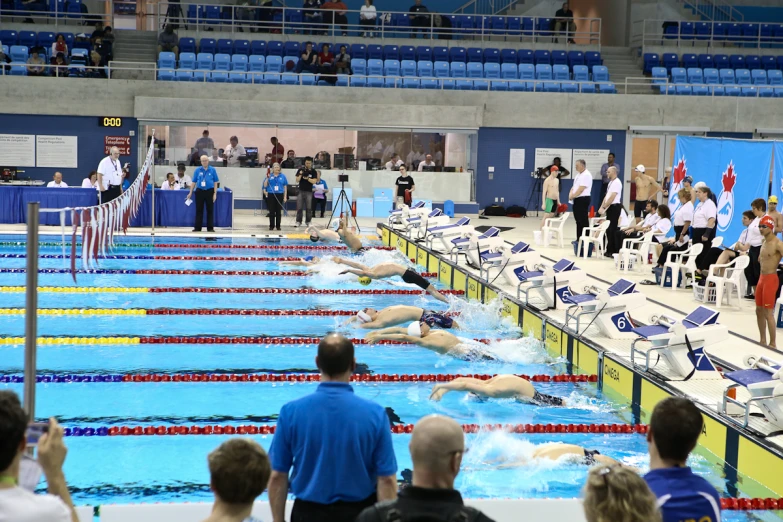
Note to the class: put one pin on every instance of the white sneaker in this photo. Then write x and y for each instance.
(297, 225)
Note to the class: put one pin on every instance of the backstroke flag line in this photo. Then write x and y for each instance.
(100, 222)
(737, 171)
(777, 178)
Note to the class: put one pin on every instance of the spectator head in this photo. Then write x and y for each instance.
(234, 141)
(214, 153)
(99, 25)
(13, 425)
(60, 58)
(95, 57)
(34, 53)
(675, 426)
(652, 206)
(180, 169)
(612, 172)
(395, 157)
(325, 48)
(664, 212)
(667, 171)
(308, 162)
(115, 153)
(107, 30)
(170, 177)
(565, 6)
(343, 49)
(437, 446)
(759, 207)
(684, 195)
(703, 192)
(205, 134)
(58, 177)
(580, 165)
(276, 168)
(428, 158)
(291, 154)
(767, 226)
(615, 493)
(687, 181)
(335, 357)
(747, 217)
(239, 470)
(773, 203)
(93, 176)
(556, 161)
(205, 161)
(368, 3)
(60, 38)
(418, 2)
(169, 29)
(610, 158)
(308, 46)
(273, 140)
(403, 170)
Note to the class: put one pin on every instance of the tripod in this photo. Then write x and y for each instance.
(535, 194)
(343, 198)
(174, 11)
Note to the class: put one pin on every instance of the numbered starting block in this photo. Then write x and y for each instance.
(445, 233)
(461, 245)
(480, 246)
(417, 209)
(680, 345)
(546, 283)
(504, 257)
(763, 378)
(417, 226)
(608, 309)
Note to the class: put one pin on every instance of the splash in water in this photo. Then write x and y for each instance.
(525, 350)
(475, 316)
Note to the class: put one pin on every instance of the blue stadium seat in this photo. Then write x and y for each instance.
(778, 92)
(700, 90)
(305, 78)
(528, 25)
(166, 75)
(576, 58)
(410, 83)
(492, 70)
(275, 48)
(659, 75)
(527, 71)
(237, 77)
(475, 70)
(218, 76)
(205, 61)
(750, 34)
(375, 67)
(447, 84)
(749, 92)
(207, 45)
(69, 39)
(766, 92)
(679, 75)
(768, 62)
(256, 78)
(458, 70)
(732, 90)
(19, 53)
(241, 47)
(509, 56)
(498, 25)
(767, 32)
(429, 83)
(200, 76)
(391, 67)
(734, 32)
(274, 64)
(775, 77)
(561, 73)
(651, 60)
(551, 87)
(559, 58)
(359, 66)
(607, 88)
(184, 76)
(18, 69)
(695, 75)
(289, 79)
(718, 91)
(391, 52)
(508, 71)
(491, 55)
(408, 67)
(371, 82)
(690, 60)
(517, 86)
(458, 54)
(47, 38)
(543, 72)
(514, 26)
(258, 48)
(570, 87)
(719, 31)
(752, 62)
(223, 62)
(480, 85)
(211, 13)
(581, 73)
(28, 38)
(475, 55)
(525, 56)
(440, 54)
(683, 90)
(670, 60)
(292, 49)
(464, 85)
(593, 58)
(358, 82)
(424, 69)
(286, 59)
(225, 46)
(424, 52)
(727, 76)
(167, 60)
(722, 61)
(706, 61)
(195, 14)
(239, 63)
(703, 30)
(257, 63)
(442, 70)
(544, 27)
(711, 76)
(542, 57)
(374, 52)
(737, 61)
(600, 74)
(687, 30)
(759, 77)
(407, 52)
(187, 61)
(587, 88)
(9, 37)
(667, 89)
(742, 77)
(358, 51)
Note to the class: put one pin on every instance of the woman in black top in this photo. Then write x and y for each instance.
(308, 60)
(405, 187)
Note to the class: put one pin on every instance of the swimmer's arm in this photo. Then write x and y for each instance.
(360, 273)
(352, 264)
(455, 324)
(379, 336)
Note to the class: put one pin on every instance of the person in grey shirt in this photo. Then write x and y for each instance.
(604, 176)
(168, 41)
(204, 145)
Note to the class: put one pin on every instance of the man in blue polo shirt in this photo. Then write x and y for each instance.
(675, 427)
(338, 444)
(276, 188)
(205, 182)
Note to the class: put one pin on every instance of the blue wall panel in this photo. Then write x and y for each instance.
(516, 185)
(91, 139)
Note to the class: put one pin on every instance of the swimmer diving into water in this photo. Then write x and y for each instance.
(305, 261)
(343, 233)
(498, 387)
(555, 451)
(440, 341)
(386, 270)
(371, 318)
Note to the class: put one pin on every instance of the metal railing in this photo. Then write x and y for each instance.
(714, 10)
(666, 87)
(485, 7)
(684, 33)
(81, 71)
(389, 24)
(56, 13)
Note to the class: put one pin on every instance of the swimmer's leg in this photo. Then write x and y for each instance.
(437, 295)
(468, 384)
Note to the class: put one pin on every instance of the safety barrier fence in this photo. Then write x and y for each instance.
(690, 34)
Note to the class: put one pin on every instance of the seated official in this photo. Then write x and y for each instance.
(171, 182)
(637, 231)
(395, 162)
(290, 161)
(91, 181)
(682, 222)
(182, 178)
(57, 181)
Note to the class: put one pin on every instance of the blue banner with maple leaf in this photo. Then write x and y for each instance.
(737, 171)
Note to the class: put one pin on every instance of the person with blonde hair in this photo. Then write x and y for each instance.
(618, 494)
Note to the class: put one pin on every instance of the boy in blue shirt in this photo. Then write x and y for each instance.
(205, 183)
(675, 427)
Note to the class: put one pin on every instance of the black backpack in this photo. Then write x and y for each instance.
(387, 512)
(516, 211)
(494, 210)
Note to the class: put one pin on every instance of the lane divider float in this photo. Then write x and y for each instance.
(178, 311)
(160, 258)
(202, 246)
(276, 377)
(195, 339)
(212, 290)
(115, 271)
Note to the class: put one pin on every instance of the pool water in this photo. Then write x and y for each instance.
(165, 468)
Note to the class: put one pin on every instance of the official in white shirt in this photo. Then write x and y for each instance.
(182, 178)
(705, 216)
(682, 219)
(612, 206)
(91, 181)
(171, 183)
(110, 176)
(234, 151)
(426, 163)
(637, 231)
(394, 163)
(57, 181)
(580, 196)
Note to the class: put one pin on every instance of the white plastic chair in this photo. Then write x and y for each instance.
(555, 226)
(594, 235)
(636, 251)
(730, 281)
(684, 264)
(717, 242)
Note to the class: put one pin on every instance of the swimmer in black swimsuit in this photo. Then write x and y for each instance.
(498, 387)
(387, 270)
(433, 318)
(370, 318)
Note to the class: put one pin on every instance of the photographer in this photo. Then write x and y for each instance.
(18, 503)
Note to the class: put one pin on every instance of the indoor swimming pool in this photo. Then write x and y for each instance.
(150, 364)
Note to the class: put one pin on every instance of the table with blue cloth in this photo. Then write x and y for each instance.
(171, 211)
(14, 200)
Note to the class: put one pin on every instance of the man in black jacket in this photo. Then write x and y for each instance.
(437, 446)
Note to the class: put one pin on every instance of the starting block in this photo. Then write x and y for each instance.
(417, 209)
(763, 378)
(415, 224)
(681, 345)
(461, 245)
(483, 246)
(608, 309)
(444, 233)
(504, 257)
(548, 283)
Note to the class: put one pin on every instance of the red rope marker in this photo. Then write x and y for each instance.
(257, 340)
(294, 291)
(259, 247)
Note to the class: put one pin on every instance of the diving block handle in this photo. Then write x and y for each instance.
(771, 366)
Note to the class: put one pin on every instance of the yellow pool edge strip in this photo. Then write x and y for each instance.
(74, 340)
(77, 311)
(77, 289)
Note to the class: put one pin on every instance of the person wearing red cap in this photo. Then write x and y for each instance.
(767, 287)
(550, 194)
